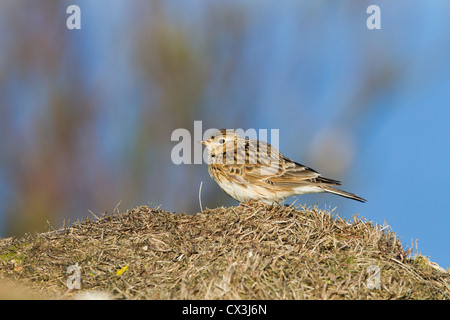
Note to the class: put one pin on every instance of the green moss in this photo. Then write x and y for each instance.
(12, 254)
(349, 259)
(423, 264)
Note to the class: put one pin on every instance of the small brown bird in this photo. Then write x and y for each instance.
(248, 169)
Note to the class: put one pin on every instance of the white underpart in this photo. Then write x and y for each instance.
(242, 194)
(307, 189)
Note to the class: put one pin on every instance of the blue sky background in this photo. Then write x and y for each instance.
(368, 107)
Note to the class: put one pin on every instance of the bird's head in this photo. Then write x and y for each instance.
(221, 140)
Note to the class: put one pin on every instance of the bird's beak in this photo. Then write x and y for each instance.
(205, 142)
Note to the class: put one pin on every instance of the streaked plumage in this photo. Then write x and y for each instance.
(249, 169)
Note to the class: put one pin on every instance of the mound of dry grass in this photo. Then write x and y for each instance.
(247, 252)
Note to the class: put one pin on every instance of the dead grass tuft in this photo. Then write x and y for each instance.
(251, 251)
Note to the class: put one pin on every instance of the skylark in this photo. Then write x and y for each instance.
(248, 169)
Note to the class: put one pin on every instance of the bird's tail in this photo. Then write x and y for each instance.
(343, 193)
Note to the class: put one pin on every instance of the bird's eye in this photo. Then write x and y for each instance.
(221, 140)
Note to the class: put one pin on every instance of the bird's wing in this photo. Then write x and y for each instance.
(284, 172)
(254, 161)
(257, 161)
(295, 174)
